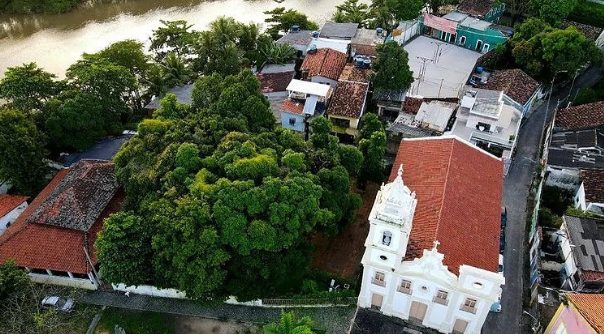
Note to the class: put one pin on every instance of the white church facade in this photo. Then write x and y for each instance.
(431, 255)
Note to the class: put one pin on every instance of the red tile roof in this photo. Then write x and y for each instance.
(274, 82)
(459, 193)
(9, 202)
(326, 62)
(581, 116)
(591, 307)
(354, 73)
(593, 182)
(44, 246)
(411, 105)
(348, 99)
(293, 106)
(515, 83)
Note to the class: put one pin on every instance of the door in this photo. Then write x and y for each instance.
(417, 312)
(376, 301)
(460, 326)
(479, 46)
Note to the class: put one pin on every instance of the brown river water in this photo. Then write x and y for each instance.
(56, 41)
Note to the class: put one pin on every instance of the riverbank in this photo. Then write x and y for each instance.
(56, 41)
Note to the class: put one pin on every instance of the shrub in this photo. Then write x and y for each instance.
(549, 219)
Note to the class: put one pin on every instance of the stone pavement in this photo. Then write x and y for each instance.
(334, 320)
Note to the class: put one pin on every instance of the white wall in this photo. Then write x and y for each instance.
(149, 290)
(324, 80)
(10, 217)
(580, 198)
(409, 29)
(79, 283)
(570, 265)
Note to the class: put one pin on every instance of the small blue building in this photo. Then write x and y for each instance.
(305, 100)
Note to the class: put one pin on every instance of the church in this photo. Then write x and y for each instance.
(432, 253)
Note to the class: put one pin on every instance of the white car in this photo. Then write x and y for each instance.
(58, 303)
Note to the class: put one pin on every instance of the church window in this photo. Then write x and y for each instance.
(379, 279)
(405, 287)
(383, 258)
(441, 297)
(386, 238)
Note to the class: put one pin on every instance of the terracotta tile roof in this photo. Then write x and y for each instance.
(591, 307)
(593, 181)
(459, 193)
(274, 82)
(515, 83)
(581, 116)
(45, 246)
(353, 73)
(348, 99)
(326, 62)
(476, 7)
(412, 104)
(9, 202)
(293, 106)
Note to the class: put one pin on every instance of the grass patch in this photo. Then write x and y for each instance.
(134, 322)
(588, 12)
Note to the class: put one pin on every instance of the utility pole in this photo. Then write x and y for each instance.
(551, 89)
(437, 52)
(441, 86)
(422, 70)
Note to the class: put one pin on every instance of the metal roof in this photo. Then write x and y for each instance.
(339, 30)
(308, 87)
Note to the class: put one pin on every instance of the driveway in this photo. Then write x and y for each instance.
(516, 191)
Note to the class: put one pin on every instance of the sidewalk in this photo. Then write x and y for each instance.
(335, 320)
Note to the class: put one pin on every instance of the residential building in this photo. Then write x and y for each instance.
(352, 72)
(519, 89)
(579, 313)
(488, 10)
(297, 39)
(324, 66)
(403, 124)
(406, 30)
(389, 101)
(432, 115)
(583, 116)
(590, 196)
(53, 239)
(366, 41)
(417, 265)
(581, 243)
(334, 30)
(486, 121)
(11, 207)
(184, 94)
(346, 109)
(305, 100)
(273, 86)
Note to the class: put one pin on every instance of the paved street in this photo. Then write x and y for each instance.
(516, 191)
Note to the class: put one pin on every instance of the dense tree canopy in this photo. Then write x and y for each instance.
(289, 324)
(28, 87)
(392, 67)
(373, 147)
(387, 13)
(352, 11)
(12, 280)
(552, 11)
(280, 20)
(22, 151)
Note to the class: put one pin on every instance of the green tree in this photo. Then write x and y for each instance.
(13, 280)
(172, 36)
(373, 149)
(352, 11)
(28, 87)
(22, 151)
(288, 324)
(280, 20)
(391, 68)
(175, 71)
(387, 13)
(370, 123)
(275, 53)
(124, 249)
(552, 11)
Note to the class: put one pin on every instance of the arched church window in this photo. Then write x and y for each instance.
(387, 238)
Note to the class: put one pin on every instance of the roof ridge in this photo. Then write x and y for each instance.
(442, 200)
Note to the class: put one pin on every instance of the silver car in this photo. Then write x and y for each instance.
(58, 303)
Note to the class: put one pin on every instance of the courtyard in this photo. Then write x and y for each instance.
(446, 70)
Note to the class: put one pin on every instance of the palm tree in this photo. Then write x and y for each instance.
(288, 324)
(175, 71)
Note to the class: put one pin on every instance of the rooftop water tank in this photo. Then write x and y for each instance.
(295, 28)
(315, 34)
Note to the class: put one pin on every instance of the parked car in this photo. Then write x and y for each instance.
(58, 303)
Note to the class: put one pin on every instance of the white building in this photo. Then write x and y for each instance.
(432, 253)
(10, 208)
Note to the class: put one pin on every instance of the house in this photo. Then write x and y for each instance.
(389, 101)
(334, 30)
(590, 196)
(346, 109)
(578, 313)
(351, 72)
(486, 121)
(576, 149)
(366, 41)
(273, 86)
(403, 125)
(488, 10)
(297, 39)
(184, 95)
(305, 100)
(324, 66)
(581, 246)
(53, 239)
(418, 265)
(432, 115)
(519, 89)
(11, 207)
(583, 116)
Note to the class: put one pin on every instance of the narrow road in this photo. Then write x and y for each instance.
(516, 190)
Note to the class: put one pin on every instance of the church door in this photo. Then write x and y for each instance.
(417, 312)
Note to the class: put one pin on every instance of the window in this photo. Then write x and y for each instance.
(383, 257)
(292, 121)
(485, 48)
(38, 271)
(441, 297)
(469, 305)
(462, 40)
(379, 279)
(341, 123)
(386, 238)
(405, 287)
(479, 46)
(484, 127)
